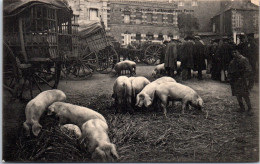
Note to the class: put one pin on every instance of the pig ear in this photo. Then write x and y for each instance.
(200, 102)
(147, 101)
(137, 100)
(50, 110)
(36, 129)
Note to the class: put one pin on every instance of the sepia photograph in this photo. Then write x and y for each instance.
(130, 81)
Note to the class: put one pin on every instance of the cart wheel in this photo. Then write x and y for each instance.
(107, 59)
(11, 72)
(41, 76)
(152, 54)
(81, 67)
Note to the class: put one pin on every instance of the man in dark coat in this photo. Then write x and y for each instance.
(187, 58)
(253, 57)
(170, 60)
(199, 57)
(239, 71)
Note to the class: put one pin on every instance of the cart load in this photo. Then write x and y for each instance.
(95, 49)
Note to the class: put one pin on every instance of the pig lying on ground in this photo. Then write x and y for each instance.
(72, 129)
(94, 132)
(159, 70)
(125, 65)
(35, 108)
(122, 92)
(146, 96)
(178, 92)
(73, 114)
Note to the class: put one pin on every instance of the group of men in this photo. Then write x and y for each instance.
(226, 61)
(190, 53)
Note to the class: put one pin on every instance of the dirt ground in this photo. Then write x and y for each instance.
(224, 136)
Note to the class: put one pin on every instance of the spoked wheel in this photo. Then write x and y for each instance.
(11, 72)
(81, 67)
(152, 54)
(107, 58)
(39, 77)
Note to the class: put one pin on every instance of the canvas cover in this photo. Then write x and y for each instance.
(16, 7)
(90, 29)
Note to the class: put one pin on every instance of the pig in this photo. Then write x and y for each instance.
(95, 133)
(164, 79)
(146, 96)
(138, 83)
(159, 70)
(178, 92)
(122, 93)
(72, 129)
(125, 65)
(37, 106)
(73, 114)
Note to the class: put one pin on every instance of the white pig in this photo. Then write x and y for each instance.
(178, 92)
(95, 133)
(73, 114)
(35, 108)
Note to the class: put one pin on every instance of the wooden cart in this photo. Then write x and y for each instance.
(37, 34)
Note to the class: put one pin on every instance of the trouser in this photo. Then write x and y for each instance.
(240, 102)
(169, 71)
(186, 73)
(199, 72)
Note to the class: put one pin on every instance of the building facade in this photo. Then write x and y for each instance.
(90, 11)
(141, 21)
(236, 17)
(135, 20)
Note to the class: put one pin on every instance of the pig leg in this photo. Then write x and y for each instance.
(129, 106)
(131, 71)
(27, 129)
(164, 100)
(184, 105)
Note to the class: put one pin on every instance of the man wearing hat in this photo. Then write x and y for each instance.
(170, 60)
(239, 71)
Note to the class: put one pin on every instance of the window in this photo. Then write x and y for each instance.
(127, 38)
(170, 18)
(194, 3)
(238, 20)
(170, 35)
(138, 36)
(255, 20)
(93, 14)
(149, 17)
(149, 36)
(138, 18)
(159, 18)
(180, 3)
(126, 18)
(160, 36)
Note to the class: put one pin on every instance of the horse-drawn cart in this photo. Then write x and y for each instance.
(146, 52)
(41, 40)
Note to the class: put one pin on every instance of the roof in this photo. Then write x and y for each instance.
(18, 6)
(238, 5)
(89, 29)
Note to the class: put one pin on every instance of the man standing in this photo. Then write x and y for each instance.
(199, 57)
(187, 57)
(239, 71)
(170, 60)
